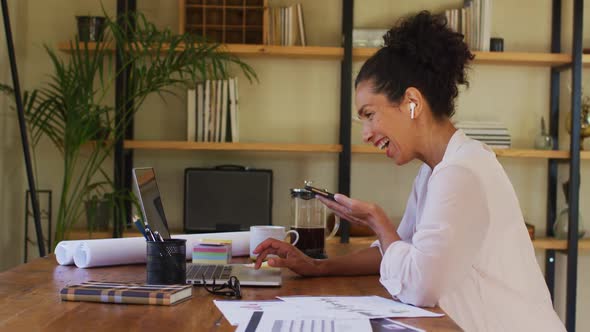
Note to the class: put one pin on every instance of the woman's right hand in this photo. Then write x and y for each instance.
(288, 256)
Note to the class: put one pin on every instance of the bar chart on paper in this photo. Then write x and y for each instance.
(264, 322)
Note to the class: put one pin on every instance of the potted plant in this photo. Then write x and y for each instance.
(74, 112)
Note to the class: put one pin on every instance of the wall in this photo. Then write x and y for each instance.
(297, 101)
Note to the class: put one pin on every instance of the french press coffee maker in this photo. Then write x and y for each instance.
(309, 220)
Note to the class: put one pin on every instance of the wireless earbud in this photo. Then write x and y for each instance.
(412, 107)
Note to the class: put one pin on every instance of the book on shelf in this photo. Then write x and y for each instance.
(494, 134)
(233, 109)
(130, 293)
(473, 21)
(212, 111)
(200, 111)
(206, 110)
(191, 117)
(286, 26)
(224, 111)
(218, 111)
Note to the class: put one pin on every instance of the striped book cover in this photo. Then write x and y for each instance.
(116, 292)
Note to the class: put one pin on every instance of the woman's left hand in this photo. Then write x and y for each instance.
(363, 213)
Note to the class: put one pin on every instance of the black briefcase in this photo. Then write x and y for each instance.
(226, 198)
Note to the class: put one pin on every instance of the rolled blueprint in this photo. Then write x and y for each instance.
(132, 250)
(64, 252)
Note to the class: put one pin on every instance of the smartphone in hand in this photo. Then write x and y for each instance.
(322, 192)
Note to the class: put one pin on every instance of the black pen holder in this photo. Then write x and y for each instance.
(166, 262)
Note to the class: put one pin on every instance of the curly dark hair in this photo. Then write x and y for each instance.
(421, 52)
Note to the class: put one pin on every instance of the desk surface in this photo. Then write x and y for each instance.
(29, 299)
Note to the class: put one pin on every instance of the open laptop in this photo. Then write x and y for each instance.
(146, 189)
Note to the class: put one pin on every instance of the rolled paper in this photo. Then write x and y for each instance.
(64, 252)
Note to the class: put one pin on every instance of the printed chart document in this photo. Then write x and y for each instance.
(261, 321)
(306, 308)
(237, 312)
(357, 306)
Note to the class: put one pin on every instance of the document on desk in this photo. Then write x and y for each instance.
(237, 312)
(357, 306)
(263, 321)
(321, 308)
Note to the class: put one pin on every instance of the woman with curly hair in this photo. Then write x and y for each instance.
(462, 243)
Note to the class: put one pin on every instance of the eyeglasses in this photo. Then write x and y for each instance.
(231, 288)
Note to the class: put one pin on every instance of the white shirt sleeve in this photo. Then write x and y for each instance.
(447, 240)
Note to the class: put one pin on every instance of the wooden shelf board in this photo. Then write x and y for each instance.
(80, 234)
(68, 47)
(507, 153)
(329, 52)
(225, 27)
(498, 58)
(320, 52)
(526, 153)
(274, 147)
(556, 244)
(586, 60)
(224, 6)
(251, 50)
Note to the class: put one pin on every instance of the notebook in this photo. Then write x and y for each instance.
(148, 195)
(130, 293)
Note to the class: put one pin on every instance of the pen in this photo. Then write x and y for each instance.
(139, 226)
(149, 235)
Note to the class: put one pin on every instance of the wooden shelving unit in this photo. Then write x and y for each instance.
(329, 52)
(204, 146)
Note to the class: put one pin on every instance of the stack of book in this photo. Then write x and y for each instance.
(212, 111)
(494, 134)
(285, 26)
(473, 21)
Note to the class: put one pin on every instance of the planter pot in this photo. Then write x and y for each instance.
(90, 28)
(98, 215)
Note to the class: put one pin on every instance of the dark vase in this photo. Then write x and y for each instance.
(98, 214)
(90, 28)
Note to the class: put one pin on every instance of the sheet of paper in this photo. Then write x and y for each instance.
(357, 306)
(266, 321)
(237, 312)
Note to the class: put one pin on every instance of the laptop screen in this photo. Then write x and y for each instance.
(152, 209)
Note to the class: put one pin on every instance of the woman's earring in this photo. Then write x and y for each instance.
(412, 107)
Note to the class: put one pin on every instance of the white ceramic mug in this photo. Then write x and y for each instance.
(261, 233)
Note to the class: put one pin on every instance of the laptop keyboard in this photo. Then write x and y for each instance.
(217, 272)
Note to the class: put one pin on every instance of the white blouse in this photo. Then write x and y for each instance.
(466, 248)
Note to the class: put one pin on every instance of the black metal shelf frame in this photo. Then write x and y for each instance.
(574, 162)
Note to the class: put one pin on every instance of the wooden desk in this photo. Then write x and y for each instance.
(29, 299)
